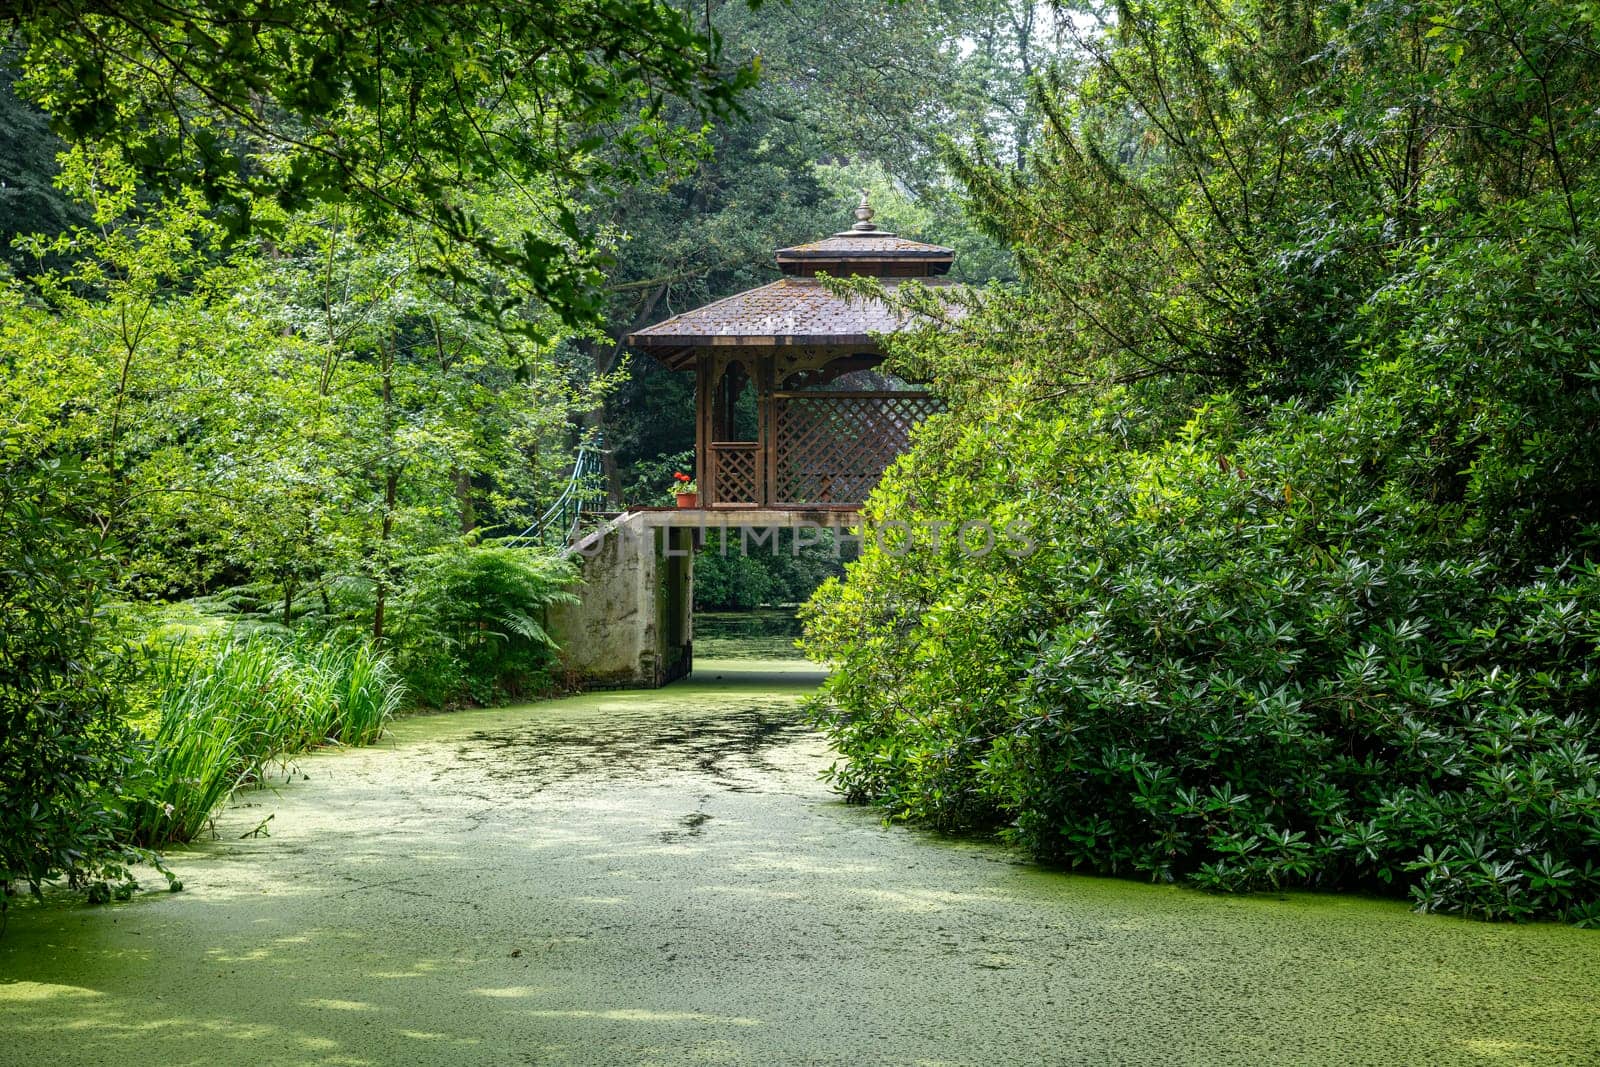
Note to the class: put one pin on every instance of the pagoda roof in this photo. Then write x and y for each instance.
(798, 310)
(871, 252)
(787, 312)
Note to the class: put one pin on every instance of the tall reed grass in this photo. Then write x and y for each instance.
(228, 711)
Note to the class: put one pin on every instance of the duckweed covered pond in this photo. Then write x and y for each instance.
(660, 878)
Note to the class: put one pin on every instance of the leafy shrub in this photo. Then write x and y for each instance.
(651, 477)
(471, 623)
(66, 756)
(732, 582)
(230, 710)
(1223, 669)
(1305, 428)
(1356, 646)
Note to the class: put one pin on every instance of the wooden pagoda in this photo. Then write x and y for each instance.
(825, 423)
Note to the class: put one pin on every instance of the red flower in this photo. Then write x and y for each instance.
(682, 477)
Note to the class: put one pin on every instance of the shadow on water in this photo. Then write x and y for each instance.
(721, 725)
(728, 747)
(693, 825)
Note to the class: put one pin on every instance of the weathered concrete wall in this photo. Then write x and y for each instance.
(633, 627)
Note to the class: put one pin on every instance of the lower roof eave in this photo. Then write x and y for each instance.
(678, 353)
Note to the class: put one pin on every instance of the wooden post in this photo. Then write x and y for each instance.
(768, 432)
(703, 384)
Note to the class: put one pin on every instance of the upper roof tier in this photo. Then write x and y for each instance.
(866, 250)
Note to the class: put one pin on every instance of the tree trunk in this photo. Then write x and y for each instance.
(604, 357)
(391, 482)
(469, 513)
(391, 486)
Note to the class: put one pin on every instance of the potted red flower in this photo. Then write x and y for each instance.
(685, 491)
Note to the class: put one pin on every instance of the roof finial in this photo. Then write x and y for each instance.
(864, 221)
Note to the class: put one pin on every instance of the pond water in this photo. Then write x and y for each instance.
(749, 637)
(660, 878)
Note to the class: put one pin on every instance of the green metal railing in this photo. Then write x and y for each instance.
(557, 528)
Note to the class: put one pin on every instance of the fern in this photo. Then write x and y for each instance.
(471, 622)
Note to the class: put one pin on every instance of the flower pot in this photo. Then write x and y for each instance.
(688, 500)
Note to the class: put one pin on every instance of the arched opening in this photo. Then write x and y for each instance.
(734, 469)
(734, 417)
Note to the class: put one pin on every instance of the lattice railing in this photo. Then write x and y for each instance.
(832, 448)
(735, 472)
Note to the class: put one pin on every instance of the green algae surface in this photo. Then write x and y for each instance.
(660, 878)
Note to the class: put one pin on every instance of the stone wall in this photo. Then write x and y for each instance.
(633, 627)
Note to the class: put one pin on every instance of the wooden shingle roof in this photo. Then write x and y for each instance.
(873, 252)
(876, 243)
(790, 311)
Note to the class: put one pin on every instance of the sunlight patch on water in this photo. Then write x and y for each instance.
(33, 992)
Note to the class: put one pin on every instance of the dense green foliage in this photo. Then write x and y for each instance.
(65, 753)
(396, 109)
(352, 412)
(289, 322)
(738, 578)
(1299, 400)
(29, 201)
